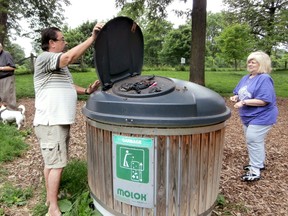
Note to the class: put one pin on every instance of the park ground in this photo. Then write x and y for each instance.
(267, 197)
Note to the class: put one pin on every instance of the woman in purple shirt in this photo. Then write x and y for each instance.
(255, 98)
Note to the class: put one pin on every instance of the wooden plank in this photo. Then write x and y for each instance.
(211, 171)
(194, 170)
(91, 178)
(219, 150)
(172, 168)
(161, 176)
(203, 172)
(217, 164)
(93, 165)
(117, 205)
(185, 146)
(137, 211)
(100, 164)
(108, 176)
(126, 209)
(147, 212)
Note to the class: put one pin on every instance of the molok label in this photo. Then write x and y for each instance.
(133, 165)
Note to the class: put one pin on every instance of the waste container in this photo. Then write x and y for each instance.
(154, 144)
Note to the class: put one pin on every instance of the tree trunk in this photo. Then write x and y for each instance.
(197, 63)
(3, 21)
(235, 64)
(32, 58)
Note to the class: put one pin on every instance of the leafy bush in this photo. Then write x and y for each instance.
(74, 192)
(12, 142)
(74, 178)
(10, 195)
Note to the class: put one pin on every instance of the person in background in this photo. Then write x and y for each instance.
(255, 98)
(55, 104)
(7, 78)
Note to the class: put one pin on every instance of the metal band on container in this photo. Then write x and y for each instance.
(155, 131)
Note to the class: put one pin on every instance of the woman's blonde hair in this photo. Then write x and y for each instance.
(263, 60)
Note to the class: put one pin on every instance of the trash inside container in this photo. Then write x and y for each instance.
(155, 144)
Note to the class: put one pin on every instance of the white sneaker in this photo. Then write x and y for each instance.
(251, 176)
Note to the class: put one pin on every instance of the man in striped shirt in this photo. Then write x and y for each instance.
(55, 103)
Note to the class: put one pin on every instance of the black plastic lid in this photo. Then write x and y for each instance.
(186, 105)
(119, 51)
(174, 103)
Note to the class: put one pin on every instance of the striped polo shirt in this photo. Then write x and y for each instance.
(55, 94)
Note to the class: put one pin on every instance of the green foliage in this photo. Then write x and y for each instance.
(81, 206)
(280, 81)
(155, 33)
(215, 25)
(3, 174)
(12, 143)
(234, 43)
(65, 205)
(24, 86)
(280, 59)
(227, 208)
(171, 74)
(267, 19)
(10, 195)
(37, 13)
(79, 35)
(158, 68)
(153, 9)
(16, 51)
(40, 208)
(74, 179)
(220, 200)
(74, 199)
(177, 44)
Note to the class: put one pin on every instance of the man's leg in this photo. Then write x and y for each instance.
(46, 174)
(54, 147)
(53, 183)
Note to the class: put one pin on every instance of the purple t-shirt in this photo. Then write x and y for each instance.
(259, 87)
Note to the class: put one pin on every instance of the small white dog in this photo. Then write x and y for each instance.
(13, 115)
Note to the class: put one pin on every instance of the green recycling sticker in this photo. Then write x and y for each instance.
(132, 163)
(133, 170)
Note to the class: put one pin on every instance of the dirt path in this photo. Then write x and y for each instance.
(266, 197)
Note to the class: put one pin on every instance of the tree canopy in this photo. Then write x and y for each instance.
(235, 42)
(37, 13)
(267, 19)
(177, 44)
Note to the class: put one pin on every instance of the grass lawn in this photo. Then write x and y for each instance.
(222, 82)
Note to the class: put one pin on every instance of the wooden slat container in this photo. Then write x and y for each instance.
(186, 169)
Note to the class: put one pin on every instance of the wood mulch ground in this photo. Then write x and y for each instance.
(267, 197)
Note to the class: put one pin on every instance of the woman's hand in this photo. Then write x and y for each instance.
(239, 104)
(234, 98)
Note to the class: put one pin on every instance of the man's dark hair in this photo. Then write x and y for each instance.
(48, 34)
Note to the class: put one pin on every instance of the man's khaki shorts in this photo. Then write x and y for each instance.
(54, 142)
